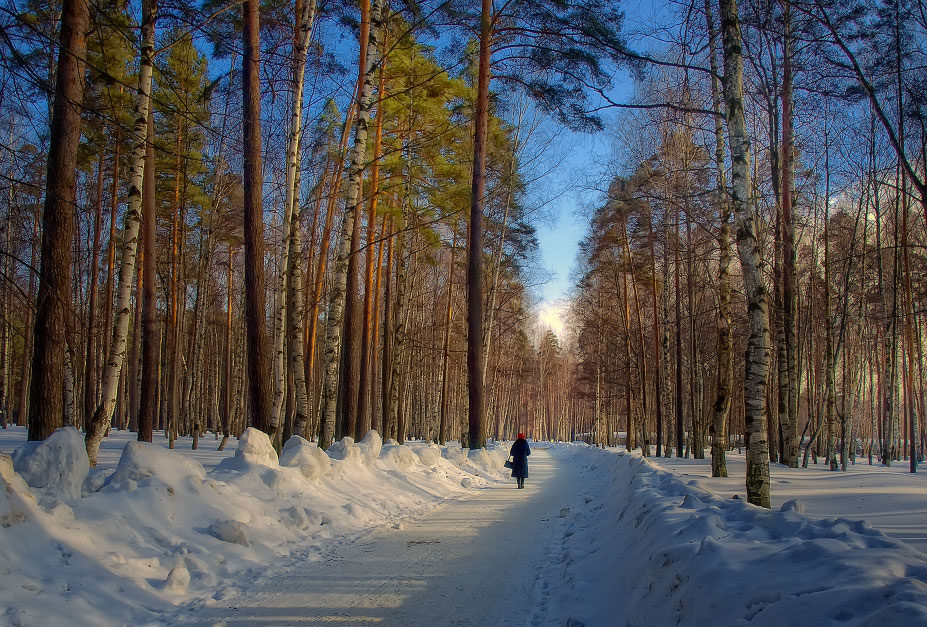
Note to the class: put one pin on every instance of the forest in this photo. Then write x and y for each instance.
(318, 218)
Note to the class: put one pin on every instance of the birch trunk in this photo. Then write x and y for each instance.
(757, 355)
(335, 318)
(722, 404)
(287, 297)
(364, 393)
(103, 415)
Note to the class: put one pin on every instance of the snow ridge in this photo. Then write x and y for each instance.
(667, 552)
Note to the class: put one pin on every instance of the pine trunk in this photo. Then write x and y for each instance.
(255, 296)
(49, 337)
(475, 435)
(148, 395)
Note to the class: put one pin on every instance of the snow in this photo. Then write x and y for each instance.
(58, 464)
(890, 499)
(675, 552)
(418, 534)
(164, 531)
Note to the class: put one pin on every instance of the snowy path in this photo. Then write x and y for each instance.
(471, 561)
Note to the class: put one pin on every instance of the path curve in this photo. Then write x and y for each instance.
(477, 560)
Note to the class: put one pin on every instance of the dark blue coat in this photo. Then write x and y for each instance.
(519, 453)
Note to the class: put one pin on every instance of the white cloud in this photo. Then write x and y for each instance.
(551, 315)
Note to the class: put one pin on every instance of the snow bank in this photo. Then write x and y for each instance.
(16, 502)
(679, 554)
(428, 454)
(487, 463)
(141, 460)
(58, 465)
(345, 450)
(157, 530)
(300, 453)
(254, 448)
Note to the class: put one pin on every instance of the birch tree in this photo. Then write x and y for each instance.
(757, 356)
(290, 262)
(335, 317)
(103, 415)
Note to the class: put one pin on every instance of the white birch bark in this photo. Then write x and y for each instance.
(757, 355)
(284, 296)
(335, 318)
(103, 415)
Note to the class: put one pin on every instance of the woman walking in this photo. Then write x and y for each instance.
(519, 453)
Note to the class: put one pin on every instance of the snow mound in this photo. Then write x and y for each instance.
(399, 454)
(489, 460)
(428, 454)
(178, 579)
(370, 446)
(255, 448)
(141, 460)
(302, 518)
(57, 464)
(311, 461)
(345, 450)
(795, 505)
(457, 456)
(231, 531)
(16, 501)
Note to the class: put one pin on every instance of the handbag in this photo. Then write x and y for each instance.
(509, 463)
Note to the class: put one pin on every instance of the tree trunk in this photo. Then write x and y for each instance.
(790, 425)
(255, 295)
(680, 411)
(305, 12)
(442, 425)
(335, 318)
(476, 436)
(658, 366)
(103, 415)
(722, 404)
(757, 356)
(386, 368)
(49, 338)
(148, 401)
(90, 356)
(364, 391)
(346, 410)
(227, 409)
(399, 329)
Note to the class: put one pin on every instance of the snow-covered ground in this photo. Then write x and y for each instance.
(151, 530)
(419, 535)
(666, 551)
(892, 500)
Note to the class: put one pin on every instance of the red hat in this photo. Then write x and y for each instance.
(521, 436)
